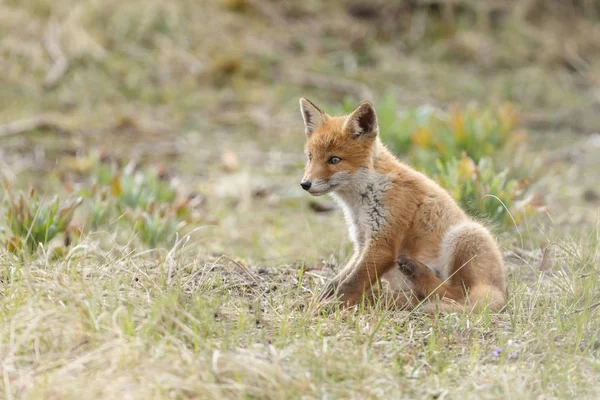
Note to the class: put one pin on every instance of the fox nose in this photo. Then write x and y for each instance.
(305, 184)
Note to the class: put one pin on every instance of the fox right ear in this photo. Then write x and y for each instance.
(362, 122)
(312, 115)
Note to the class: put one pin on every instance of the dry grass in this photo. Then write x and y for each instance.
(110, 324)
(182, 83)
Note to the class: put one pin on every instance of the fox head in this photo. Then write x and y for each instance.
(337, 147)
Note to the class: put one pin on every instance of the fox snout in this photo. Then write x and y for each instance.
(319, 187)
(318, 179)
(306, 184)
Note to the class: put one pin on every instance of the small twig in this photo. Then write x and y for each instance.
(546, 261)
(25, 125)
(242, 267)
(591, 307)
(170, 259)
(268, 11)
(576, 151)
(525, 255)
(61, 63)
(542, 120)
(339, 85)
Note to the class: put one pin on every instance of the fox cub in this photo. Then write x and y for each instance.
(405, 228)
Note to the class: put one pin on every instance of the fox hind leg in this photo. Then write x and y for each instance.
(425, 282)
(450, 295)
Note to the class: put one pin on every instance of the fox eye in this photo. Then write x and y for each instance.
(334, 160)
(309, 157)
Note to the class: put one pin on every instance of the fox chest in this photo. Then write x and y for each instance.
(365, 211)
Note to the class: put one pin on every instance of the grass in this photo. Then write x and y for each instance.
(99, 327)
(202, 98)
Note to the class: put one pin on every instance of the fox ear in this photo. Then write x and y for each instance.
(312, 115)
(362, 122)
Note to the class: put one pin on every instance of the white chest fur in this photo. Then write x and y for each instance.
(362, 201)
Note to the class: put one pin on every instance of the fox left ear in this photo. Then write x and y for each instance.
(312, 115)
(362, 122)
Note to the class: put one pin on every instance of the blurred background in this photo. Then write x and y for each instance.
(105, 99)
(154, 238)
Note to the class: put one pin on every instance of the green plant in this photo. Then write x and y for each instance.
(146, 198)
(101, 206)
(155, 225)
(426, 133)
(446, 135)
(135, 188)
(484, 192)
(32, 221)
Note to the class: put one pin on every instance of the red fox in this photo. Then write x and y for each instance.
(405, 228)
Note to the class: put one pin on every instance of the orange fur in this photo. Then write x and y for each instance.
(405, 228)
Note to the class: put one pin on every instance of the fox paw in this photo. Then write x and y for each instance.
(340, 294)
(328, 292)
(407, 265)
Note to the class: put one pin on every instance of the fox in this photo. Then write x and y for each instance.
(412, 243)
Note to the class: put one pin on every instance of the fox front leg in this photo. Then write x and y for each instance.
(331, 288)
(373, 263)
